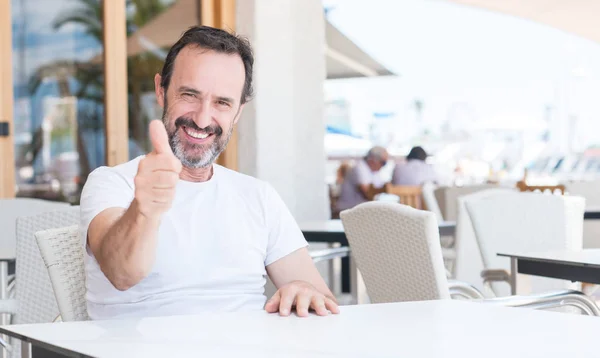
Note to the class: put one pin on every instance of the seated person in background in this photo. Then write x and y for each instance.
(415, 171)
(171, 233)
(355, 187)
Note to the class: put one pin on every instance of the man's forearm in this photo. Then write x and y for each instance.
(128, 248)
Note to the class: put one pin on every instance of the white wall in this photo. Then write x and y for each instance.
(281, 132)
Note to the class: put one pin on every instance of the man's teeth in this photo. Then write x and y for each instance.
(195, 134)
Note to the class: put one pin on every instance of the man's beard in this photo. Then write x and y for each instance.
(195, 155)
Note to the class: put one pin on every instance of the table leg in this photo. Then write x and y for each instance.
(353, 281)
(331, 272)
(3, 296)
(26, 350)
(513, 275)
(345, 272)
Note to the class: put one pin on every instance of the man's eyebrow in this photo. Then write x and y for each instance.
(196, 92)
(189, 89)
(226, 99)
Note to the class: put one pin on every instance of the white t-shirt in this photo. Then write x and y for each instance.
(414, 172)
(213, 245)
(350, 194)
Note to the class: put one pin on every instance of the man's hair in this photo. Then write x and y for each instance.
(211, 39)
(417, 153)
(377, 153)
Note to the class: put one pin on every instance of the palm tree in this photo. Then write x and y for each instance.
(89, 75)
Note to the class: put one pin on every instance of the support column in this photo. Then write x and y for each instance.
(281, 132)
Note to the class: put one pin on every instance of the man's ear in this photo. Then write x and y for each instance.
(158, 90)
(239, 114)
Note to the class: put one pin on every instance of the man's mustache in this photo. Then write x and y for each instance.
(212, 129)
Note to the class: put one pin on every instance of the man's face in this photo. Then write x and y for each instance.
(376, 164)
(202, 104)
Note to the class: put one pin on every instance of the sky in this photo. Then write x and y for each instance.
(468, 65)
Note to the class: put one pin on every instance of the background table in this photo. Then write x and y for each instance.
(576, 266)
(592, 214)
(442, 328)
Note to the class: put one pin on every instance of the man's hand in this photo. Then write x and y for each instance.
(303, 296)
(157, 175)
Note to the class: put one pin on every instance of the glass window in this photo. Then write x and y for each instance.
(58, 95)
(153, 26)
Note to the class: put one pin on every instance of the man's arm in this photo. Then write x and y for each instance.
(124, 244)
(124, 241)
(364, 180)
(364, 190)
(300, 284)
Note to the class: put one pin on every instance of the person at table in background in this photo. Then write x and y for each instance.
(415, 171)
(355, 188)
(173, 233)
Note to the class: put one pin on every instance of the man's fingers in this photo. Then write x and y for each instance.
(303, 301)
(164, 179)
(331, 305)
(155, 162)
(272, 305)
(318, 304)
(287, 301)
(159, 137)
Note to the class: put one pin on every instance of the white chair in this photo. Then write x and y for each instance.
(525, 222)
(34, 300)
(469, 262)
(430, 200)
(448, 242)
(11, 209)
(448, 197)
(62, 252)
(590, 190)
(397, 250)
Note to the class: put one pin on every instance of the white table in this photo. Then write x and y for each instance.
(417, 329)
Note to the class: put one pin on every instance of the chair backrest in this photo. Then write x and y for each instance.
(63, 255)
(11, 209)
(397, 250)
(410, 195)
(552, 189)
(448, 197)
(469, 261)
(590, 190)
(33, 289)
(430, 201)
(526, 222)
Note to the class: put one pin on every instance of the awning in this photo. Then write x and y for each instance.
(344, 58)
(579, 17)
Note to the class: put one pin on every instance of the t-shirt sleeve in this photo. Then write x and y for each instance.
(285, 235)
(363, 175)
(104, 188)
(396, 175)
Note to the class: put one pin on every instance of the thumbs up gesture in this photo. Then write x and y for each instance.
(157, 175)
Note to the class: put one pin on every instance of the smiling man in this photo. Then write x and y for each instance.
(173, 233)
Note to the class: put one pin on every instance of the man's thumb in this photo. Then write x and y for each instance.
(159, 137)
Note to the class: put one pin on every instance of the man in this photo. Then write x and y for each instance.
(172, 233)
(355, 187)
(415, 171)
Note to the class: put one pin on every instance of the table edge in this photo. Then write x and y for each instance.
(549, 261)
(43, 344)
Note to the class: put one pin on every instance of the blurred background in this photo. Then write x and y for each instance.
(492, 90)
